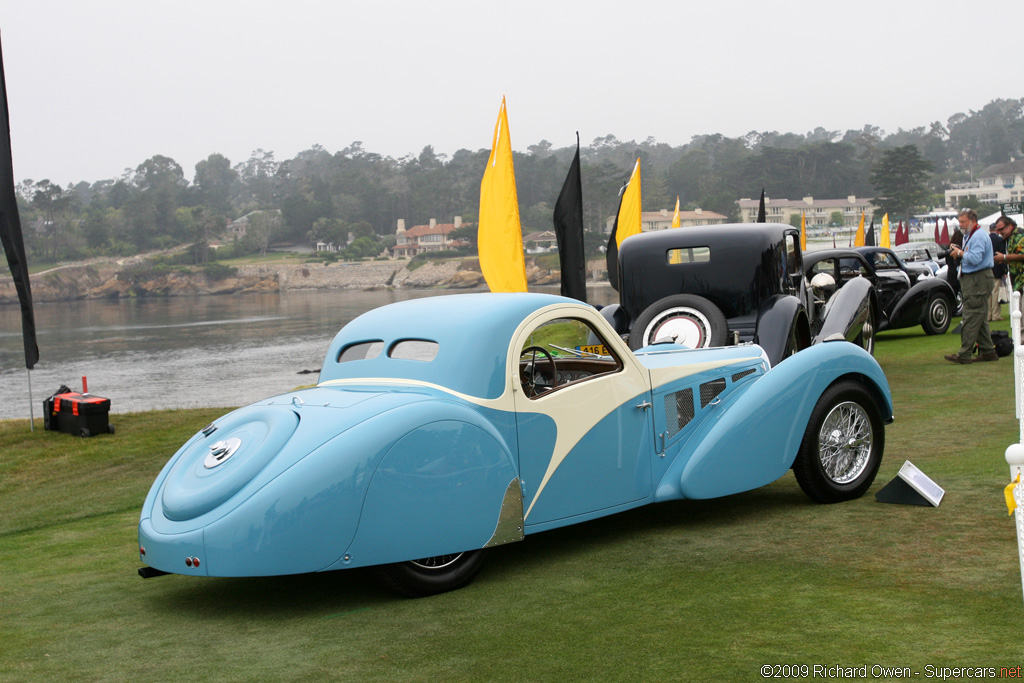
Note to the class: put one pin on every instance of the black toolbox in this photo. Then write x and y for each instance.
(79, 414)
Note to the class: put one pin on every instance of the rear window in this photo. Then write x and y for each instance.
(422, 350)
(361, 351)
(689, 255)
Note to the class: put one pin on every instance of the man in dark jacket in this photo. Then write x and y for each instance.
(995, 309)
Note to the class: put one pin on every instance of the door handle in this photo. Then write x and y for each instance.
(645, 405)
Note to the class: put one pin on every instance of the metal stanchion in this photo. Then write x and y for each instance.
(1018, 370)
(1015, 453)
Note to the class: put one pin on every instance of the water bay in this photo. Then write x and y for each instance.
(185, 352)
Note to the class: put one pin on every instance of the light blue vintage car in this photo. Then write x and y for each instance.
(443, 426)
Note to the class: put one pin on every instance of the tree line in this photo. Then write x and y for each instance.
(323, 195)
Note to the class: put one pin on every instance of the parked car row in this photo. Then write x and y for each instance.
(904, 296)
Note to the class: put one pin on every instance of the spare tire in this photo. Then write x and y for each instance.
(688, 319)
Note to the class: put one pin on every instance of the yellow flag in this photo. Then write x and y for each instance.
(884, 242)
(675, 216)
(630, 209)
(1011, 502)
(858, 241)
(499, 236)
(803, 232)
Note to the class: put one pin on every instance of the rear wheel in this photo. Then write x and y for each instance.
(938, 315)
(842, 447)
(687, 319)
(431, 575)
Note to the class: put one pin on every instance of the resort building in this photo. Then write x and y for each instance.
(662, 220)
(419, 238)
(997, 184)
(817, 212)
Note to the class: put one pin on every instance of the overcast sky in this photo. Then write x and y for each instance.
(97, 87)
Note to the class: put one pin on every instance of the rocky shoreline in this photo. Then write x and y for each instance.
(109, 279)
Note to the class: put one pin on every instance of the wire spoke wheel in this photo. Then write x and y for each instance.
(844, 442)
(437, 563)
(842, 446)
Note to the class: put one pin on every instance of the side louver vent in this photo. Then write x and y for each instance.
(709, 390)
(678, 410)
(740, 375)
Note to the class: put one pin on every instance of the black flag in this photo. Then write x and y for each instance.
(869, 237)
(761, 217)
(611, 256)
(568, 219)
(10, 230)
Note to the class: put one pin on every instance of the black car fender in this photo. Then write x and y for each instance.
(617, 317)
(847, 310)
(912, 307)
(782, 327)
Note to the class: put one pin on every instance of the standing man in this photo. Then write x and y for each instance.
(1014, 256)
(976, 284)
(995, 310)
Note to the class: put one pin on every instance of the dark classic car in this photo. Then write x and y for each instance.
(928, 254)
(725, 284)
(905, 298)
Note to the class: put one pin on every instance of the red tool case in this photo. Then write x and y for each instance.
(78, 414)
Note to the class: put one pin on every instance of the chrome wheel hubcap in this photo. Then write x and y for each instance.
(686, 326)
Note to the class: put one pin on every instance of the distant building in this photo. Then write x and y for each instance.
(997, 184)
(817, 212)
(543, 241)
(421, 238)
(662, 220)
(238, 227)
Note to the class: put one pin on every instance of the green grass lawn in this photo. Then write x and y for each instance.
(689, 590)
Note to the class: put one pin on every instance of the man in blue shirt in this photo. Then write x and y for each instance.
(976, 284)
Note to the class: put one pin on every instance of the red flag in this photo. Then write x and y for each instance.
(944, 238)
(936, 230)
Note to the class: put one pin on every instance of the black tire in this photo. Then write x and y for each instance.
(431, 575)
(937, 315)
(84, 433)
(699, 322)
(110, 428)
(844, 467)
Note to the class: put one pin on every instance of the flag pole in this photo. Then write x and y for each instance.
(31, 414)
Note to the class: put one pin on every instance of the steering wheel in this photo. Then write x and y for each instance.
(535, 383)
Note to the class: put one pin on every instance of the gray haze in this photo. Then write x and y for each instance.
(96, 87)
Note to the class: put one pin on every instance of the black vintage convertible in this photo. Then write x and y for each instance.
(728, 284)
(905, 297)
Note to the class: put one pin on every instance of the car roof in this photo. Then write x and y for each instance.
(745, 265)
(472, 331)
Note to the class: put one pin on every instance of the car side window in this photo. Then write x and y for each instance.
(561, 352)
(885, 261)
(793, 268)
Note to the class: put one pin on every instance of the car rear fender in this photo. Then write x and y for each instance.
(617, 317)
(447, 485)
(782, 326)
(913, 307)
(847, 310)
(755, 437)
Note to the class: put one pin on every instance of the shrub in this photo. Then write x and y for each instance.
(218, 271)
